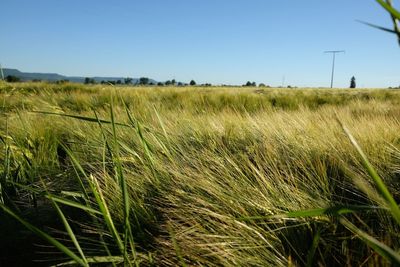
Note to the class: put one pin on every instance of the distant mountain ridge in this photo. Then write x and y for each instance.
(53, 77)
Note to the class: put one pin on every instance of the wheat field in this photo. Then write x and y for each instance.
(196, 176)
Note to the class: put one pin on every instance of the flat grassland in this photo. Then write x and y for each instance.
(196, 176)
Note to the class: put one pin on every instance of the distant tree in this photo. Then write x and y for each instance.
(36, 80)
(353, 82)
(103, 82)
(253, 84)
(173, 82)
(168, 82)
(248, 83)
(128, 80)
(12, 79)
(119, 82)
(62, 81)
(192, 83)
(144, 81)
(160, 84)
(180, 84)
(89, 81)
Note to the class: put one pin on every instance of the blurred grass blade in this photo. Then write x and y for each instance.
(82, 118)
(103, 133)
(378, 27)
(77, 167)
(379, 247)
(381, 187)
(123, 185)
(395, 14)
(45, 236)
(387, 5)
(73, 204)
(162, 126)
(98, 259)
(105, 212)
(69, 231)
(313, 249)
(332, 211)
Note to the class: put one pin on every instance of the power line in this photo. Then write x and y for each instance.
(333, 62)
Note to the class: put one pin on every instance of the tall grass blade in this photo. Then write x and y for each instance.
(96, 191)
(395, 14)
(388, 6)
(377, 27)
(73, 204)
(69, 231)
(330, 211)
(46, 237)
(79, 169)
(124, 188)
(313, 249)
(82, 118)
(380, 185)
(99, 259)
(379, 247)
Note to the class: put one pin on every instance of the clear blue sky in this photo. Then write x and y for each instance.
(217, 41)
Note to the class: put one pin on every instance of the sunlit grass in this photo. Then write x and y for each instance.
(202, 176)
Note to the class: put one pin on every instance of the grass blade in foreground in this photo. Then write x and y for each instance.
(98, 259)
(382, 189)
(124, 188)
(82, 118)
(45, 236)
(332, 211)
(379, 247)
(70, 231)
(313, 249)
(395, 14)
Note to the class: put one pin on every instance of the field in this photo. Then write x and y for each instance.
(196, 176)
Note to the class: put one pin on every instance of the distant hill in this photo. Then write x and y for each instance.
(52, 77)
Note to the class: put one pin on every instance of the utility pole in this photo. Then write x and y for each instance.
(333, 62)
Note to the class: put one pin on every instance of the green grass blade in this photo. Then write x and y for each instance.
(45, 236)
(78, 167)
(313, 249)
(124, 188)
(395, 14)
(380, 185)
(332, 211)
(103, 133)
(389, 8)
(82, 118)
(98, 259)
(69, 231)
(96, 190)
(376, 245)
(162, 126)
(73, 204)
(378, 27)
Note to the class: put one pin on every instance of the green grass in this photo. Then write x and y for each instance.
(202, 176)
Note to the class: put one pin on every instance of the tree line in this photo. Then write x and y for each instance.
(144, 81)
